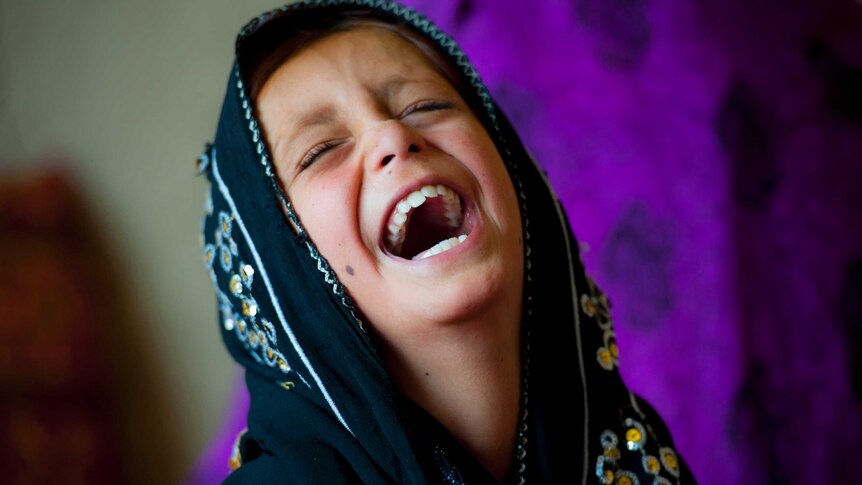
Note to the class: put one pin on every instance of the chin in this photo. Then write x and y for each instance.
(467, 294)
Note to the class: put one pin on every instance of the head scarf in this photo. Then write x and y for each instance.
(323, 407)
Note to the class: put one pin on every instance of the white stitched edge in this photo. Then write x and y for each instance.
(265, 277)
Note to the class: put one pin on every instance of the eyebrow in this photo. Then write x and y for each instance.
(391, 85)
(320, 116)
(326, 114)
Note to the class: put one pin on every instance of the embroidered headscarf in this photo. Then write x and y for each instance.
(323, 407)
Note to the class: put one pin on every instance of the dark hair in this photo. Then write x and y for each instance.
(276, 45)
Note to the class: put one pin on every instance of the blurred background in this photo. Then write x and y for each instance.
(110, 359)
(708, 153)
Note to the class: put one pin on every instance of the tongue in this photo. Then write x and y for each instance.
(427, 226)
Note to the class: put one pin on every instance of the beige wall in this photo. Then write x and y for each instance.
(128, 92)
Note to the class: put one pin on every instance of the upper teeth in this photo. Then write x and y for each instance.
(398, 220)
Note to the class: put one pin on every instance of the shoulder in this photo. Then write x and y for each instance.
(307, 462)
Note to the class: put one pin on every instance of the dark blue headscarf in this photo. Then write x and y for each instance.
(323, 407)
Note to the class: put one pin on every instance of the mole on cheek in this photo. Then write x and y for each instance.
(349, 270)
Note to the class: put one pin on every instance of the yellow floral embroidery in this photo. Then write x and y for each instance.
(596, 306)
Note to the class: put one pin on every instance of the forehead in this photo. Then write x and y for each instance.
(360, 41)
(361, 54)
(320, 85)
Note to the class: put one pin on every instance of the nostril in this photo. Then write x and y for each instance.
(413, 148)
(387, 159)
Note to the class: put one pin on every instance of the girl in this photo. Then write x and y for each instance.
(396, 275)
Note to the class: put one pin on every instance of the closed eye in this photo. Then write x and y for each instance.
(315, 153)
(422, 106)
(425, 106)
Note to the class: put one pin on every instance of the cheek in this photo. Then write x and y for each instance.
(480, 156)
(327, 209)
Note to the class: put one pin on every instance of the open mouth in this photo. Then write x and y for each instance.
(426, 222)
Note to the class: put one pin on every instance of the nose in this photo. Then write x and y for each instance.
(392, 141)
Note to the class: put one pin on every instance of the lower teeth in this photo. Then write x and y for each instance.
(441, 246)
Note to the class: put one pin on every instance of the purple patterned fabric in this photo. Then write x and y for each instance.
(709, 156)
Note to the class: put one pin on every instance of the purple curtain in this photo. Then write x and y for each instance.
(709, 156)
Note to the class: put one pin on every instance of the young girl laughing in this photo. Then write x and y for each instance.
(397, 276)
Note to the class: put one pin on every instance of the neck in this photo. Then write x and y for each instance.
(467, 375)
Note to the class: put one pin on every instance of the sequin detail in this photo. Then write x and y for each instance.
(225, 258)
(208, 255)
(651, 464)
(635, 439)
(595, 305)
(255, 337)
(246, 272)
(225, 222)
(269, 328)
(609, 439)
(605, 359)
(627, 478)
(635, 434)
(235, 284)
(603, 473)
(239, 311)
(669, 460)
(249, 307)
(227, 319)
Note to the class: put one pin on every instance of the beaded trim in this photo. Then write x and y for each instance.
(322, 265)
(596, 306)
(667, 456)
(607, 467)
(635, 436)
(249, 306)
(521, 444)
(248, 329)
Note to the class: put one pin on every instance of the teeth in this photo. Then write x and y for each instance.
(398, 220)
(415, 199)
(441, 246)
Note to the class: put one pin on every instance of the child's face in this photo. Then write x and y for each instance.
(384, 124)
